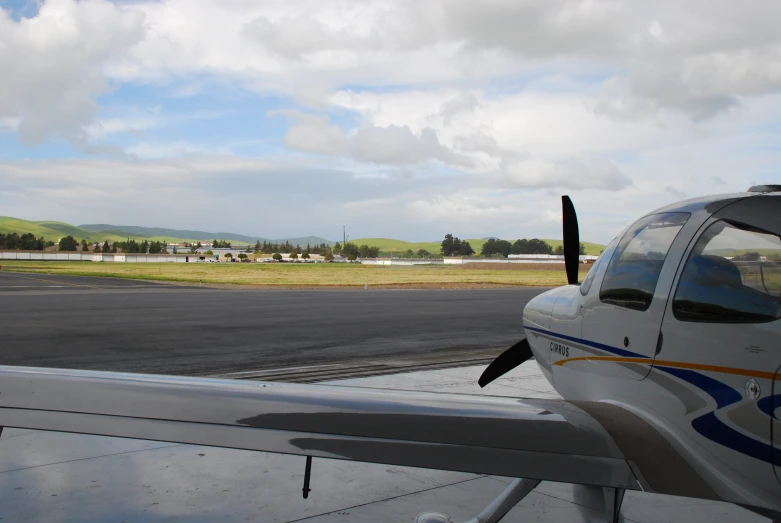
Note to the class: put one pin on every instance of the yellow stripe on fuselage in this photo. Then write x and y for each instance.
(676, 364)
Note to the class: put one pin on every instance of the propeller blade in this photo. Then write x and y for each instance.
(571, 239)
(506, 362)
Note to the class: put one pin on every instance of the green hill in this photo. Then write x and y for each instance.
(133, 231)
(388, 245)
(51, 230)
(149, 232)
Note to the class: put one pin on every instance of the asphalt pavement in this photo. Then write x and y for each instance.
(137, 326)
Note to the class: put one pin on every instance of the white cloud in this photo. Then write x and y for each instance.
(52, 65)
(694, 57)
(391, 145)
(312, 133)
(398, 145)
(572, 174)
(698, 58)
(8, 124)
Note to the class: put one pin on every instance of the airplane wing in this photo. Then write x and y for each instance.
(587, 443)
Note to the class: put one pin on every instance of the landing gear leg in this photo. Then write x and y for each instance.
(512, 495)
(614, 497)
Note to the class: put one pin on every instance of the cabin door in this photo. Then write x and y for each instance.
(722, 342)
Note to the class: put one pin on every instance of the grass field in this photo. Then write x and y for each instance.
(389, 245)
(309, 275)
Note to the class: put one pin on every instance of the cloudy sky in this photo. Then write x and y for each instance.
(397, 119)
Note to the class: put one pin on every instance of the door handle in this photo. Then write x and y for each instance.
(659, 342)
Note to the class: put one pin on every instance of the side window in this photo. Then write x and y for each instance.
(631, 277)
(733, 275)
(586, 285)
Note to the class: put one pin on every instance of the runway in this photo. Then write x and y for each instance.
(140, 326)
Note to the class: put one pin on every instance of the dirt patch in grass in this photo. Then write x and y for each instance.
(291, 275)
(519, 267)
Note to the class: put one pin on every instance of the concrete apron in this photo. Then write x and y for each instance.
(48, 477)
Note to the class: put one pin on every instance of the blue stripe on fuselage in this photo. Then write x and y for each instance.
(600, 346)
(708, 425)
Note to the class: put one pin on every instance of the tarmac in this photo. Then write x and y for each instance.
(139, 326)
(54, 477)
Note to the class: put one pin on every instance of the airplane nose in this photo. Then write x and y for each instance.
(538, 311)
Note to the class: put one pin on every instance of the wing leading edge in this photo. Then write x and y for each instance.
(538, 439)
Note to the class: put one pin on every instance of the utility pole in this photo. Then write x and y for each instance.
(344, 236)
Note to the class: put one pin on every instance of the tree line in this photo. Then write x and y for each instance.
(269, 248)
(26, 242)
(504, 248)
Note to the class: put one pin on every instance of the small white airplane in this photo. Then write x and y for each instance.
(667, 356)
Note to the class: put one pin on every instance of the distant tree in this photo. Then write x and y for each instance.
(68, 243)
(14, 241)
(447, 245)
(258, 247)
(352, 256)
(452, 246)
(500, 247)
(465, 249)
(329, 257)
(293, 255)
(242, 256)
(106, 247)
(97, 249)
(748, 256)
(277, 256)
(364, 251)
(423, 253)
(537, 246)
(176, 250)
(409, 253)
(215, 244)
(84, 246)
(305, 255)
(229, 255)
(533, 246)
(209, 253)
(28, 242)
(559, 250)
(337, 248)
(350, 249)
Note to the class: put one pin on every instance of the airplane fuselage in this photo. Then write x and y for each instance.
(678, 322)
